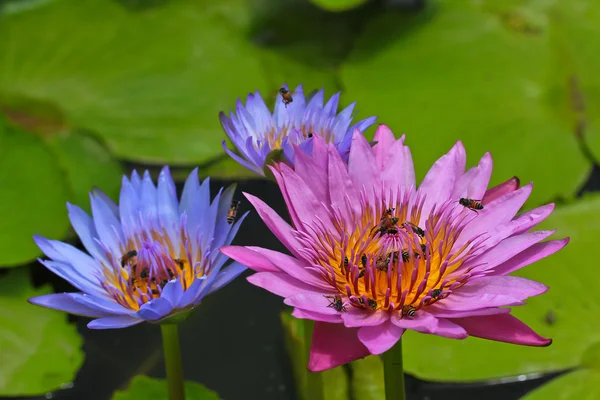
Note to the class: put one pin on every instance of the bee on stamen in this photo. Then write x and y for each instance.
(372, 304)
(405, 256)
(418, 231)
(435, 293)
(382, 263)
(145, 273)
(471, 204)
(337, 303)
(387, 223)
(424, 250)
(129, 258)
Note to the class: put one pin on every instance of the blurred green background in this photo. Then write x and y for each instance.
(90, 88)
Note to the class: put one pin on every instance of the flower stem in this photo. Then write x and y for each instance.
(314, 380)
(172, 355)
(393, 373)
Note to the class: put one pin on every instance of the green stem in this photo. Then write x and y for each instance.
(314, 380)
(172, 355)
(393, 373)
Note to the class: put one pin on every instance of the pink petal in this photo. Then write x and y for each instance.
(513, 286)
(422, 322)
(362, 166)
(508, 248)
(465, 302)
(302, 204)
(439, 310)
(379, 339)
(294, 267)
(397, 168)
(450, 330)
(250, 258)
(341, 189)
(473, 183)
(282, 284)
(385, 139)
(356, 317)
(313, 169)
(502, 328)
(281, 229)
(439, 182)
(318, 303)
(522, 223)
(529, 256)
(315, 316)
(500, 211)
(334, 345)
(497, 191)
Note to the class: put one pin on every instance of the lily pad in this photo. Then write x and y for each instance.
(335, 381)
(581, 384)
(143, 388)
(567, 313)
(40, 350)
(491, 75)
(149, 79)
(33, 193)
(338, 5)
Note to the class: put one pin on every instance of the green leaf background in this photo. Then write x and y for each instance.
(87, 85)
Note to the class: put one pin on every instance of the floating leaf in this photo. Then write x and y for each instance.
(33, 193)
(490, 75)
(144, 388)
(150, 79)
(335, 381)
(40, 350)
(567, 313)
(338, 5)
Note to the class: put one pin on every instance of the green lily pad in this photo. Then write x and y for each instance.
(581, 384)
(367, 378)
(335, 381)
(338, 5)
(40, 350)
(491, 75)
(33, 194)
(149, 79)
(567, 313)
(142, 387)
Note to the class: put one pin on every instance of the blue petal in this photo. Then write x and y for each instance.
(364, 124)
(317, 100)
(148, 201)
(155, 309)
(221, 224)
(67, 254)
(114, 209)
(122, 321)
(298, 107)
(190, 191)
(331, 107)
(74, 304)
(220, 258)
(107, 224)
(75, 278)
(136, 181)
(252, 167)
(129, 208)
(193, 292)
(84, 227)
(172, 291)
(230, 273)
(168, 214)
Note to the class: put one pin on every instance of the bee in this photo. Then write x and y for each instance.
(471, 204)
(129, 258)
(310, 134)
(387, 223)
(382, 263)
(363, 260)
(418, 231)
(286, 97)
(145, 273)
(337, 303)
(232, 212)
(372, 304)
(435, 293)
(405, 256)
(424, 250)
(179, 262)
(408, 310)
(346, 262)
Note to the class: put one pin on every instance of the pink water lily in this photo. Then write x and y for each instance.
(374, 255)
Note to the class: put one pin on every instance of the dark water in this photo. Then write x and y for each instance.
(233, 343)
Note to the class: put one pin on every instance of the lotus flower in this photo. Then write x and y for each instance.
(150, 258)
(255, 132)
(373, 255)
